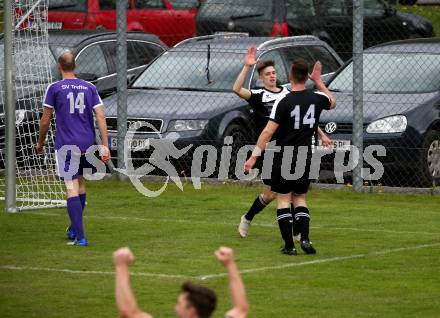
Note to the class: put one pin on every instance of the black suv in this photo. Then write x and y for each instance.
(188, 89)
(329, 20)
(96, 61)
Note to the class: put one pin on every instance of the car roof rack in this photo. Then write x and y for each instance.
(216, 35)
(287, 39)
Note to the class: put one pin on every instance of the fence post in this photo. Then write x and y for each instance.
(10, 174)
(358, 40)
(121, 69)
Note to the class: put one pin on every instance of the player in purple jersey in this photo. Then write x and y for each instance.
(74, 102)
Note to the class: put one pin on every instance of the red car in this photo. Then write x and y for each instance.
(171, 20)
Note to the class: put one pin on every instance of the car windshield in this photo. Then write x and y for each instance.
(188, 70)
(238, 9)
(394, 73)
(33, 65)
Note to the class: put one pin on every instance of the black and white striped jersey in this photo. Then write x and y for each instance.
(262, 101)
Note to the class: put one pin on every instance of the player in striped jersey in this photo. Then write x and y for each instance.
(261, 101)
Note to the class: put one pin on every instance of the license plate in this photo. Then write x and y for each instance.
(337, 145)
(135, 143)
(54, 25)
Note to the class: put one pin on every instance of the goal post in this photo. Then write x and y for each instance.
(29, 180)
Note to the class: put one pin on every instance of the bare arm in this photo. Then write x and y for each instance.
(249, 60)
(238, 85)
(44, 127)
(240, 307)
(265, 137)
(316, 77)
(326, 141)
(125, 299)
(102, 126)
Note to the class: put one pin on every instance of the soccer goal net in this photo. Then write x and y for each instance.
(36, 183)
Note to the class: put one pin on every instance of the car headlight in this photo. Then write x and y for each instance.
(187, 124)
(392, 124)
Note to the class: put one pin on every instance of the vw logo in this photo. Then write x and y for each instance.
(330, 127)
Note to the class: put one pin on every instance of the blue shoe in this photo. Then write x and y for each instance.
(71, 235)
(82, 242)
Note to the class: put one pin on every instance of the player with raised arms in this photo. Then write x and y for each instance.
(261, 101)
(295, 118)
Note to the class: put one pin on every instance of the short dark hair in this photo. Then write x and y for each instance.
(261, 65)
(67, 62)
(299, 70)
(202, 298)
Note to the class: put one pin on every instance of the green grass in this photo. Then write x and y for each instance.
(177, 233)
(431, 13)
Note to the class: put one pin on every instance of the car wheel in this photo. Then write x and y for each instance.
(238, 133)
(430, 159)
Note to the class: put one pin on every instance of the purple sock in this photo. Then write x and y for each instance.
(82, 197)
(75, 210)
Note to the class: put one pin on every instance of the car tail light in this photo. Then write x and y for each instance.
(90, 22)
(280, 29)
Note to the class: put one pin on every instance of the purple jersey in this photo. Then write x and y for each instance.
(73, 101)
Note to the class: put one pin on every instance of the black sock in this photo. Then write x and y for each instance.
(256, 208)
(295, 223)
(284, 218)
(302, 219)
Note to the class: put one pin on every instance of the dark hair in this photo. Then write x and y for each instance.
(202, 298)
(67, 62)
(261, 65)
(299, 70)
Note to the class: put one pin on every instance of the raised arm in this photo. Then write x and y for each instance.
(240, 304)
(102, 126)
(249, 61)
(316, 77)
(44, 127)
(125, 299)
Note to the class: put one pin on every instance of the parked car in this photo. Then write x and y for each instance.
(329, 20)
(188, 90)
(171, 20)
(401, 109)
(96, 61)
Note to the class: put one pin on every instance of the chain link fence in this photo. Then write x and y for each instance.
(180, 86)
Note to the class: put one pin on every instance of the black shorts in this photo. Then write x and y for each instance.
(283, 186)
(259, 165)
(66, 163)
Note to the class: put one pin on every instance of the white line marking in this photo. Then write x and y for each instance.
(73, 271)
(205, 277)
(324, 260)
(126, 218)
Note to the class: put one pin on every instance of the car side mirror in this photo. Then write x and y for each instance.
(130, 78)
(89, 77)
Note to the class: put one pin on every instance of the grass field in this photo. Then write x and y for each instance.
(378, 254)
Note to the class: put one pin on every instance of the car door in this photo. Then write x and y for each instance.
(67, 14)
(155, 16)
(106, 16)
(335, 26)
(92, 59)
(381, 24)
(184, 18)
